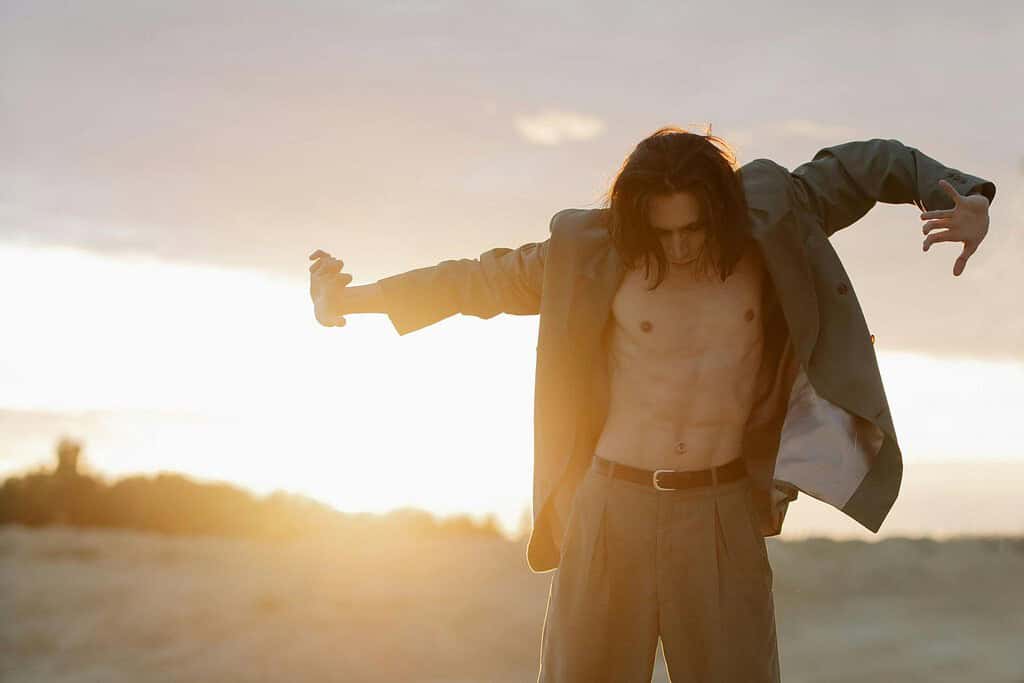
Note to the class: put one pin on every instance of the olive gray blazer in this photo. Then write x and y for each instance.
(822, 422)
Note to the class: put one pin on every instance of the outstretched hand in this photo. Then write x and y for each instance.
(327, 288)
(966, 222)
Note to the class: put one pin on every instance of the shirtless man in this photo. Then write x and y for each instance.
(682, 386)
(688, 565)
(662, 538)
(681, 390)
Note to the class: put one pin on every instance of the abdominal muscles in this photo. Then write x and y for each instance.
(683, 361)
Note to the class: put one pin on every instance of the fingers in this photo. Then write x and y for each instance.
(331, 271)
(339, 321)
(944, 236)
(938, 213)
(326, 265)
(961, 260)
(321, 279)
(935, 225)
(959, 265)
(328, 321)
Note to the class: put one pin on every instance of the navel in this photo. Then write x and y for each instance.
(749, 315)
(646, 325)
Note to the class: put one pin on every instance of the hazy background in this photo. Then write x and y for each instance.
(168, 167)
(81, 606)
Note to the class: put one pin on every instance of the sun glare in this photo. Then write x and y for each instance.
(224, 374)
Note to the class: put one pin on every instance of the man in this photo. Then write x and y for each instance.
(701, 359)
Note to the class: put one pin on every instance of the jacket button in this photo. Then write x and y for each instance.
(842, 288)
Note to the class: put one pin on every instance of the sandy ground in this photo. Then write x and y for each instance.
(125, 606)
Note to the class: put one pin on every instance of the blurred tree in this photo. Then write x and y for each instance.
(174, 504)
(67, 457)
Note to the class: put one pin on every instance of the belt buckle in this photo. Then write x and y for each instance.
(654, 480)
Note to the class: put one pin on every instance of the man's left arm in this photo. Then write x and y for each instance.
(843, 182)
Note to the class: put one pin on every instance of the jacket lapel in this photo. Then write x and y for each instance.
(786, 260)
(593, 289)
(778, 232)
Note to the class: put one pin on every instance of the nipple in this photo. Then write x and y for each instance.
(646, 325)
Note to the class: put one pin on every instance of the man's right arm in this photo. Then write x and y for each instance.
(501, 280)
(363, 299)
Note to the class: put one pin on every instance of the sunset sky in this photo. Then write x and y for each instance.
(167, 170)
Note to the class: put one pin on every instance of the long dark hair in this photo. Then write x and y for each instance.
(672, 160)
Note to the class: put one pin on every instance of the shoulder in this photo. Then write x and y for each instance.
(768, 189)
(576, 234)
(580, 228)
(763, 176)
(576, 221)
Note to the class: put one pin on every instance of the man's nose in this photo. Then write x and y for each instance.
(677, 244)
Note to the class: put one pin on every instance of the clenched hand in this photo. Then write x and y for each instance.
(327, 288)
(966, 222)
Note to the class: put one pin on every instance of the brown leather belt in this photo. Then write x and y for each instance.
(671, 480)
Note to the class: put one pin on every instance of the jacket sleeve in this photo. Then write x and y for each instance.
(501, 280)
(842, 183)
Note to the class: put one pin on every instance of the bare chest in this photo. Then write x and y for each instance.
(689, 315)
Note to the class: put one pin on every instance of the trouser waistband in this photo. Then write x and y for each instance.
(671, 480)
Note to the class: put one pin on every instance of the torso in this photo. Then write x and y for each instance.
(683, 362)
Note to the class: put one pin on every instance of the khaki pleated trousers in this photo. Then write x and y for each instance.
(687, 566)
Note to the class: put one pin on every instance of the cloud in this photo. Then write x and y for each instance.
(552, 127)
(21, 224)
(737, 137)
(814, 130)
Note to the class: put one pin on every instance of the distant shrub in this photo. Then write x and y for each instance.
(174, 504)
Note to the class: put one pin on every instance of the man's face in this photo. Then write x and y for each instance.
(676, 220)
